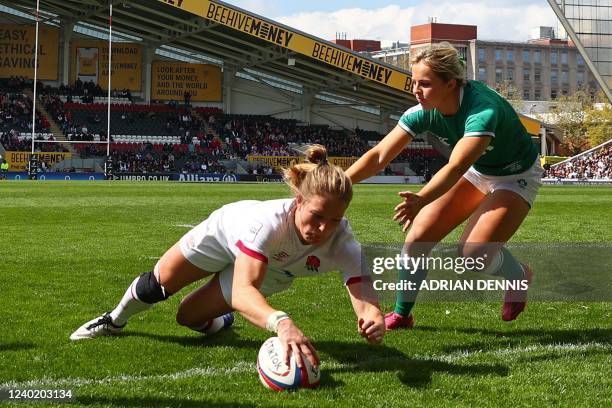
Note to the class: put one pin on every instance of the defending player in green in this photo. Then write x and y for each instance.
(492, 176)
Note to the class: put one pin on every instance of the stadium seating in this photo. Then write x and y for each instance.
(144, 135)
(592, 165)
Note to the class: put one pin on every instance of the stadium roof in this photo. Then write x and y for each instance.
(242, 40)
(248, 43)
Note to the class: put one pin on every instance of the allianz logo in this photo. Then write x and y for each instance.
(226, 178)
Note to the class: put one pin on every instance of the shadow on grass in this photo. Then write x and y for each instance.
(352, 357)
(555, 355)
(16, 346)
(412, 372)
(225, 338)
(155, 402)
(496, 339)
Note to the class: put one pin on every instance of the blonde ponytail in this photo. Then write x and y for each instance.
(318, 177)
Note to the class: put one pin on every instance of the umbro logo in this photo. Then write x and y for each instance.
(280, 256)
(522, 183)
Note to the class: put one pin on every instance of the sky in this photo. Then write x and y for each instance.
(390, 21)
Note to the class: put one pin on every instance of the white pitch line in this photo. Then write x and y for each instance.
(241, 367)
(248, 367)
(184, 225)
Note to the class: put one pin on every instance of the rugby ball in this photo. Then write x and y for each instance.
(274, 373)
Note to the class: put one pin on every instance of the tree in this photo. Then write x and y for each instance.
(510, 93)
(569, 117)
(599, 122)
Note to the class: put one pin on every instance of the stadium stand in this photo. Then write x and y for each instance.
(169, 138)
(16, 119)
(595, 164)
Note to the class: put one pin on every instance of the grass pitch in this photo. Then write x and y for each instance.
(69, 249)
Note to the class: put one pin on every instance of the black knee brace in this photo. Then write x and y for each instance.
(149, 290)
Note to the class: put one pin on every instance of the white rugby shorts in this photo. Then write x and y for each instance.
(525, 184)
(200, 247)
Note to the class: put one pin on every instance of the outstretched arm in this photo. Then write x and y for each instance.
(378, 157)
(370, 321)
(465, 153)
(248, 300)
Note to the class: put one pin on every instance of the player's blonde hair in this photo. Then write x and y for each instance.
(318, 177)
(444, 61)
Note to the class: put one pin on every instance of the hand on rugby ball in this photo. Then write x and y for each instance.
(295, 342)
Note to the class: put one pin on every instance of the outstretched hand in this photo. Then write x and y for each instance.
(407, 209)
(373, 330)
(294, 341)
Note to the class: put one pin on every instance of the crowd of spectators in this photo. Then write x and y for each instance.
(148, 160)
(16, 114)
(16, 120)
(17, 84)
(596, 165)
(266, 136)
(12, 141)
(203, 145)
(86, 92)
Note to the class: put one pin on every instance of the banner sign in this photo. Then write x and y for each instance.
(207, 177)
(288, 38)
(199, 177)
(18, 161)
(57, 176)
(182, 177)
(89, 61)
(310, 46)
(262, 178)
(170, 80)
(285, 161)
(17, 43)
(576, 182)
(142, 176)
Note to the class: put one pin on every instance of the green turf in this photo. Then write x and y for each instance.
(69, 249)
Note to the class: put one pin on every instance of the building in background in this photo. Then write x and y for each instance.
(589, 24)
(541, 69)
(398, 54)
(357, 45)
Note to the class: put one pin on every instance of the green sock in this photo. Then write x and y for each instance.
(405, 299)
(403, 308)
(510, 268)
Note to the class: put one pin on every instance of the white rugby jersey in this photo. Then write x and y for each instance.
(265, 230)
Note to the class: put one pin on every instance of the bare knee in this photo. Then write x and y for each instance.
(470, 250)
(418, 242)
(481, 253)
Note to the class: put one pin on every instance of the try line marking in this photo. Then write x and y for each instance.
(248, 367)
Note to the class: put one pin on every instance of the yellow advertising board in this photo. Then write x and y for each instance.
(17, 44)
(18, 161)
(170, 80)
(283, 36)
(285, 161)
(89, 61)
(551, 160)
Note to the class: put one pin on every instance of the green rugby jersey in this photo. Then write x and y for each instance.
(482, 112)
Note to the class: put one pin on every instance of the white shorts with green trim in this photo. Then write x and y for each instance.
(525, 184)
